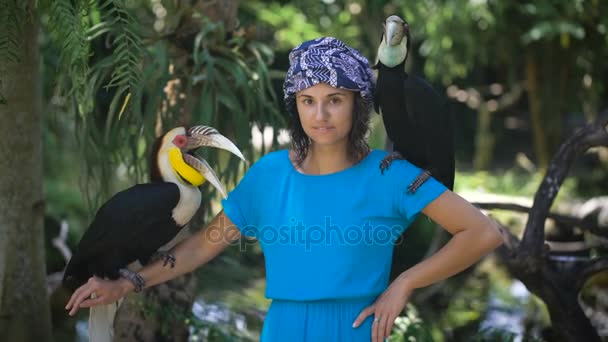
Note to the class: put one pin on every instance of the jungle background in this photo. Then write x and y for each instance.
(86, 86)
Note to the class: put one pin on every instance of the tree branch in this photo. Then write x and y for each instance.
(591, 135)
(566, 220)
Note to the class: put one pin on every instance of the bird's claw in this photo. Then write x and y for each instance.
(420, 179)
(166, 257)
(388, 160)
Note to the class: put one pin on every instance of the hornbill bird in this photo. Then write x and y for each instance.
(136, 222)
(416, 117)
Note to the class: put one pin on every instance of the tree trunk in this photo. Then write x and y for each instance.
(535, 106)
(484, 141)
(24, 306)
(569, 322)
(547, 81)
(159, 314)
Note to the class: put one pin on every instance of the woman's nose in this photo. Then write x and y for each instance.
(321, 112)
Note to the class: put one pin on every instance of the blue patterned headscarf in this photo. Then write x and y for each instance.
(328, 60)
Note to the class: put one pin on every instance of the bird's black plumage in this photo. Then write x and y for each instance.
(124, 231)
(417, 119)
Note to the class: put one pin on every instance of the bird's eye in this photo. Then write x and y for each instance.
(179, 141)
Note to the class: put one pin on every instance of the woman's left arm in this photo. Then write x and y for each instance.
(474, 235)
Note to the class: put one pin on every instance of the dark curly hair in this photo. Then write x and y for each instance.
(357, 139)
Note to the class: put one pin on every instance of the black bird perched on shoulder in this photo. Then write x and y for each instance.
(136, 222)
(416, 117)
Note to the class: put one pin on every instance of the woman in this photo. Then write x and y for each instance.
(325, 216)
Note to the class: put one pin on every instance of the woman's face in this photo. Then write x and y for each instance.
(326, 113)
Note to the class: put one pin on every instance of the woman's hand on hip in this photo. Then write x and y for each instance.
(385, 310)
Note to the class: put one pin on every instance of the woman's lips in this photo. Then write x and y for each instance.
(323, 129)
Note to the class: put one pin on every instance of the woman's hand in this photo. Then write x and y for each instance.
(106, 292)
(386, 309)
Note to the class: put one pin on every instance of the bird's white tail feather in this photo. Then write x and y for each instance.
(101, 322)
(101, 317)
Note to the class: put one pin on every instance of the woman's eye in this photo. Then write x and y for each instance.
(307, 101)
(335, 100)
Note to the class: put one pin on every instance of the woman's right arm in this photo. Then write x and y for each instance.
(195, 251)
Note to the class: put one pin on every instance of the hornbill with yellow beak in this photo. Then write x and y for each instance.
(136, 222)
(416, 117)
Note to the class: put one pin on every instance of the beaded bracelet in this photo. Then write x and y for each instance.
(138, 282)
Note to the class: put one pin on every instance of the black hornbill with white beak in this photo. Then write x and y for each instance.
(416, 117)
(136, 222)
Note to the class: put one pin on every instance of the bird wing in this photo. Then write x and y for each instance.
(377, 98)
(390, 101)
(431, 113)
(138, 218)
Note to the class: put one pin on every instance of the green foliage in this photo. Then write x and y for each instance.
(12, 15)
(126, 81)
(460, 35)
(68, 24)
(233, 85)
(511, 182)
(409, 327)
(557, 20)
(298, 21)
(127, 55)
(445, 31)
(291, 25)
(114, 91)
(73, 25)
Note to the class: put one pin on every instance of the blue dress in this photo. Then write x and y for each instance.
(327, 240)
